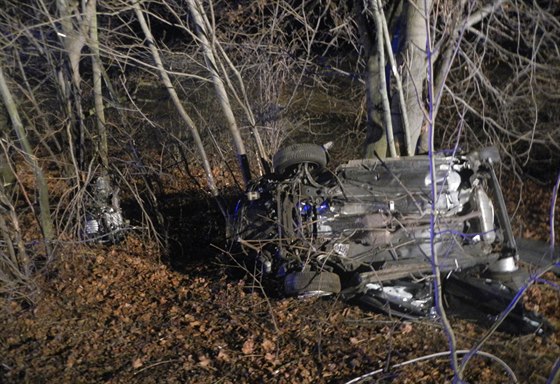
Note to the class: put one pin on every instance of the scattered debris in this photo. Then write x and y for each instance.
(104, 219)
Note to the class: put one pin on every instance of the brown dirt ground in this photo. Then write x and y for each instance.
(120, 315)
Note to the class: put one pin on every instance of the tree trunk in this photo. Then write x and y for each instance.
(400, 123)
(414, 75)
(376, 139)
(93, 43)
(45, 214)
(202, 32)
(382, 88)
(73, 40)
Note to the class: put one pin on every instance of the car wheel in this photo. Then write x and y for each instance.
(311, 283)
(286, 158)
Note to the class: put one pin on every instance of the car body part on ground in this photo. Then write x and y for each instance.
(104, 220)
(366, 231)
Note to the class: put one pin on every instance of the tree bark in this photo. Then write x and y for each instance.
(382, 85)
(93, 43)
(394, 70)
(73, 40)
(202, 33)
(45, 214)
(415, 72)
(376, 139)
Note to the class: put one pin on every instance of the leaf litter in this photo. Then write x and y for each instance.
(119, 315)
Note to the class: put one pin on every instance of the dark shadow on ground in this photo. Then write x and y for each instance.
(195, 228)
(191, 227)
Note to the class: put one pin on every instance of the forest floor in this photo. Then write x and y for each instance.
(120, 314)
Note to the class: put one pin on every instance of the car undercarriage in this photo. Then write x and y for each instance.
(369, 230)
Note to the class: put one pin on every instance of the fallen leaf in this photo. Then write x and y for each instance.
(248, 346)
(204, 361)
(137, 363)
(268, 345)
(406, 328)
(271, 357)
(223, 356)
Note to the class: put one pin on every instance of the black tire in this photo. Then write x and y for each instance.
(301, 283)
(286, 158)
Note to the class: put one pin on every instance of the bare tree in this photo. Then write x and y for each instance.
(505, 82)
(176, 101)
(73, 36)
(203, 34)
(462, 32)
(97, 69)
(27, 151)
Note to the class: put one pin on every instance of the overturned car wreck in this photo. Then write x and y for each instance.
(367, 231)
